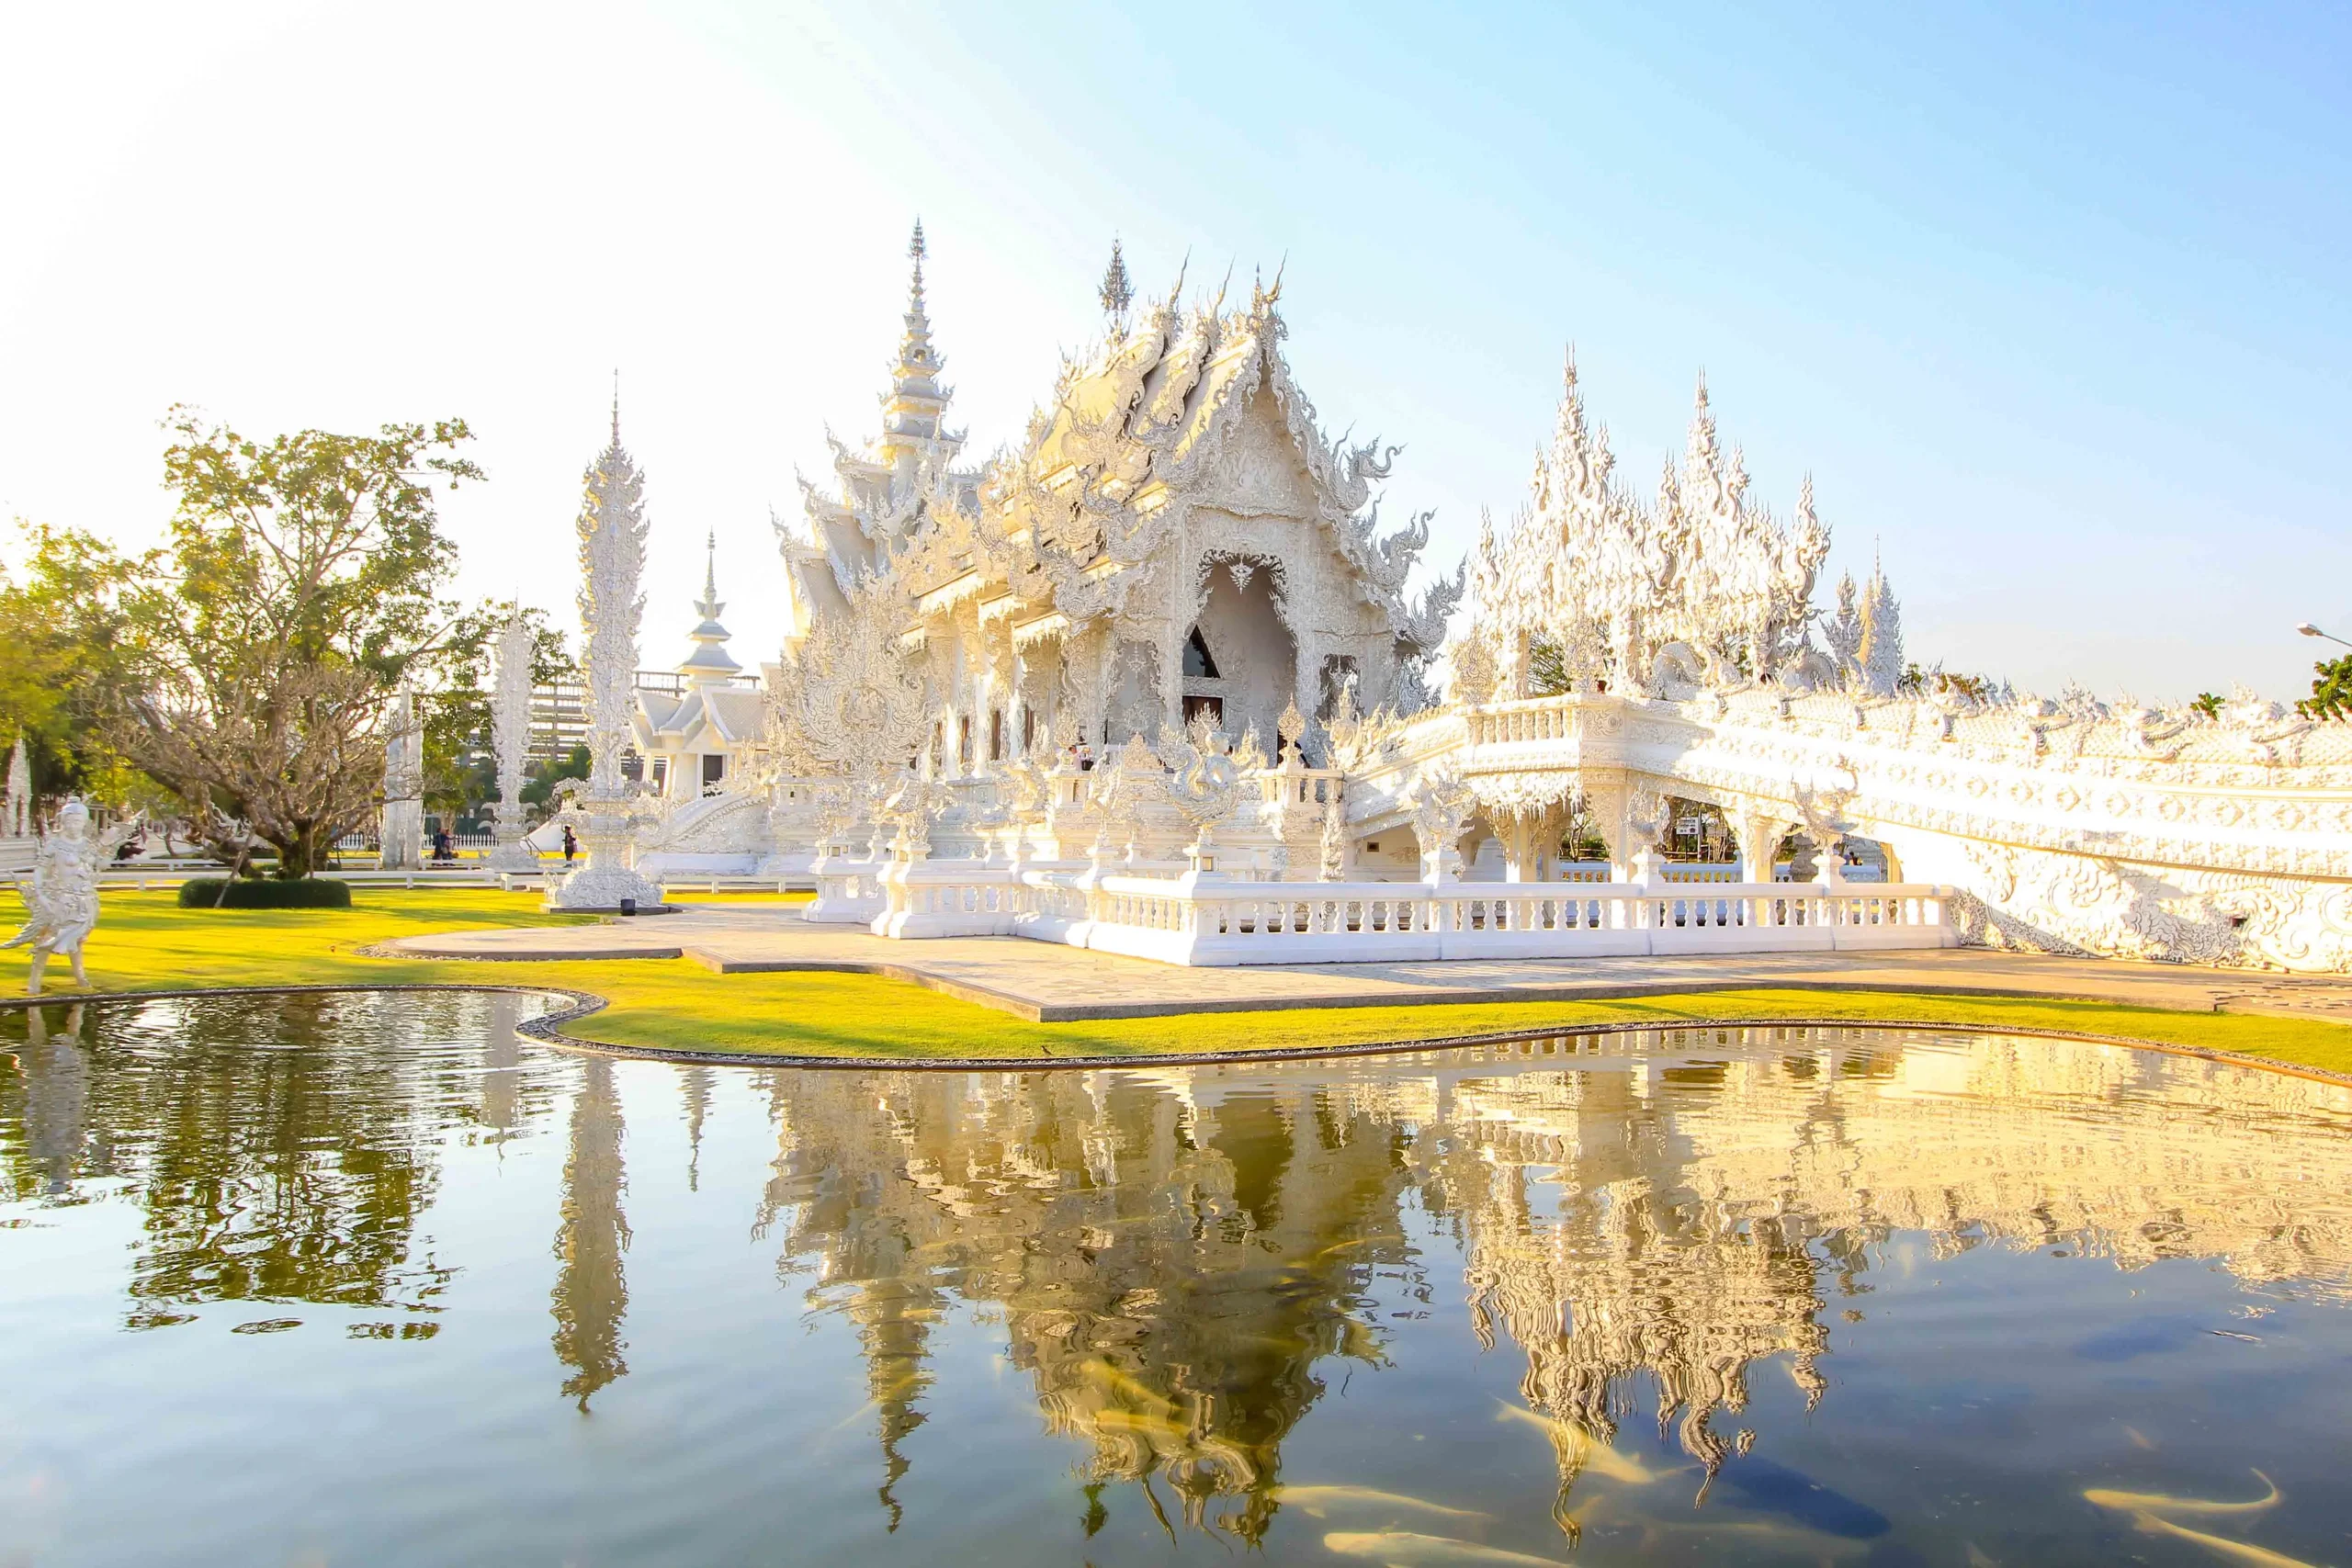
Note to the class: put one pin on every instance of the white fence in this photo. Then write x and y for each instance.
(147, 878)
(1211, 921)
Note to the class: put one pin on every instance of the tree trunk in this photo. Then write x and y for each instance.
(298, 853)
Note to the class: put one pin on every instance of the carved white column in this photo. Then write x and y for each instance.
(510, 731)
(400, 833)
(606, 815)
(15, 807)
(1759, 828)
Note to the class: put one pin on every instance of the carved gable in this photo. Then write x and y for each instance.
(1261, 473)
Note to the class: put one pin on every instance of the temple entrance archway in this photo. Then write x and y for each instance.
(1240, 662)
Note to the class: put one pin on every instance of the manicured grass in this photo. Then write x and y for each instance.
(145, 942)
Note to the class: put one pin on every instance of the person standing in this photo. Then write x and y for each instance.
(570, 846)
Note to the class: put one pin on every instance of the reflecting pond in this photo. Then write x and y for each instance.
(368, 1279)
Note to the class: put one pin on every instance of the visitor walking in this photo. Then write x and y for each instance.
(570, 846)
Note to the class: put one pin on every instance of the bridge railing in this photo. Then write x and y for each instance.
(1530, 719)
(1215, 921)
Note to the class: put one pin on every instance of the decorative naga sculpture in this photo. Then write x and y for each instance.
(1204, 787)
(63, 898)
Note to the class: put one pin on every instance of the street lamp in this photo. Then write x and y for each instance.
(2310, 630)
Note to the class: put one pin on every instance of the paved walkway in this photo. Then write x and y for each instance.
(1049, 982)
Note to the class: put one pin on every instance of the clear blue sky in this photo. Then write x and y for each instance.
(2052, 306)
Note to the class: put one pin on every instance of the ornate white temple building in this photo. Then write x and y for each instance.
(1174, 535)
(1152, 681)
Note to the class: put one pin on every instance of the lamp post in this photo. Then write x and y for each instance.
(2310, 630)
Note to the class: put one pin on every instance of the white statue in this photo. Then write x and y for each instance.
(64, 898)
(17, 805)
(510, 731)
(607, 813)
(1442, 804)
(1204, 784)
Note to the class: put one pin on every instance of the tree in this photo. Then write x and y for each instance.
(299, 588)
(61, 624)
(2208, 704)
(2331, 691)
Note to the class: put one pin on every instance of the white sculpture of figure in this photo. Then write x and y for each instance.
(1843, 631)
(63, 902)
(1440, 806)
(606, 813)
(1205, 787)
(17, 805)
(1334, 866)
(1824, 813)
(402, 831)
(510, 733)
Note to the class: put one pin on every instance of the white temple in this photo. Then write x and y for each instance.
(1151, 682)
(1174, 535)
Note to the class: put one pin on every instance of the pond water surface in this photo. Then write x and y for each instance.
(367, 1279)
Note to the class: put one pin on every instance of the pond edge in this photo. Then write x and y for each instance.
(548, 1029)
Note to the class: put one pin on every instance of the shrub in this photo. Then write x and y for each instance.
(306, 893)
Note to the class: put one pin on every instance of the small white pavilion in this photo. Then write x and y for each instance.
(696, 733)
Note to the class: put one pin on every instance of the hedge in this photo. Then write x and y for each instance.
(246, 893)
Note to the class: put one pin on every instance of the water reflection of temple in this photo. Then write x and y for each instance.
(1170, 1265)
(591, 1297)
(1175, 1251)
(1183, 1260)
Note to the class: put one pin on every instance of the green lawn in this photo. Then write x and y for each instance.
(145, 942)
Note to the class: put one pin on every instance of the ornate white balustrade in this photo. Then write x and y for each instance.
(1213, 921)
(1386, 921)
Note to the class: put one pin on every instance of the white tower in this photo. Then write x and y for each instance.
(612, 562)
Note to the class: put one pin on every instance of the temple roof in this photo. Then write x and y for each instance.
(1134, 435)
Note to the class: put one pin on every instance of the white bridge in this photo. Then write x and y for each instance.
(2228, 841)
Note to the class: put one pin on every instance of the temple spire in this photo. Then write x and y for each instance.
(616, 405)
(911, 411)
(1117, 291)
(709, 663)
(918, 318)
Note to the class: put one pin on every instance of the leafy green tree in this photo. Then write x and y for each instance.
(2208, 704)
(301, 588)
(2331, 691)
(61, 624)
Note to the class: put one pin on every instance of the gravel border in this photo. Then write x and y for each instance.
(548, 1029)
